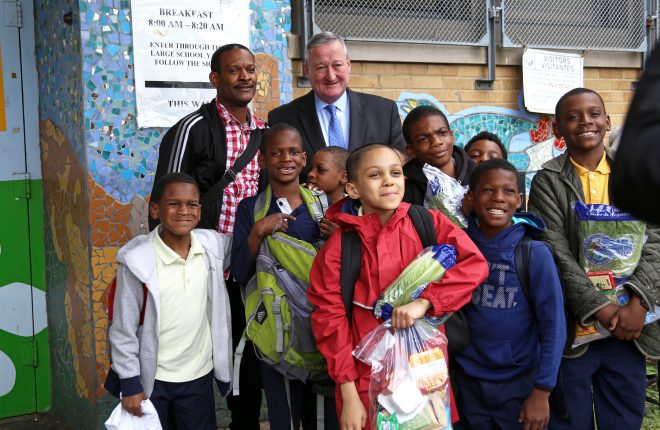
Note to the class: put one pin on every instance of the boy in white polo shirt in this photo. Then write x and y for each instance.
(170, 340)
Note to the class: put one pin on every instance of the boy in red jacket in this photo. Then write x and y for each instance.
(389, 242)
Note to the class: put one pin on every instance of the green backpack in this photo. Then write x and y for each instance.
(276, 307)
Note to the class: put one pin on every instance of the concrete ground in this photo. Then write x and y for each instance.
(51, 422)
(33, 422)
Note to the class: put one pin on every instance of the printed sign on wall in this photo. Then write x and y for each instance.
(173, 41)
(547, 76)
(3, 117)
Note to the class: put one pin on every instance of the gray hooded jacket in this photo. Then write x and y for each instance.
(134, 347)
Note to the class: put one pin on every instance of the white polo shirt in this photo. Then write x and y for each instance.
(184, 346)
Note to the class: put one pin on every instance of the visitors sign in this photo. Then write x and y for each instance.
(547, 76)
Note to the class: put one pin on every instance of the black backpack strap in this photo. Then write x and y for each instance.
(522, 257)
(212, 199)
(423, 222)
(351, 256)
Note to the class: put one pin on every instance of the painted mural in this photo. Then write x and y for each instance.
(65, 208)
(121, 158)
(527, 137)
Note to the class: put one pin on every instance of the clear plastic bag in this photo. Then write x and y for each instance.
(610, 240)
(611, 243)
(409, 385)
(445, 194)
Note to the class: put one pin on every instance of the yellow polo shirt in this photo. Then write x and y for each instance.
(184, 344)
(595, 184)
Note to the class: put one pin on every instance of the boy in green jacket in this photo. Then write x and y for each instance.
(605, 379)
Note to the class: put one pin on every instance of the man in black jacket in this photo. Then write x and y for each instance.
(636, 175)
(207, 144)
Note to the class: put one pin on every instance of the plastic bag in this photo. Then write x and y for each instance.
(610, 240)
(121, 419)
(409, 385)
(445, 194)
(429, 266)
(611, 243)
(618, 296)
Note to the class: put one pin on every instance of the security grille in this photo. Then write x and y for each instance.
(422, 21)
(617, 25)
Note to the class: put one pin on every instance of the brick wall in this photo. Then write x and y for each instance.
(453, 84)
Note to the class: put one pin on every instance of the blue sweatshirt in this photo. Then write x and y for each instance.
(243, 265)
(511, 335)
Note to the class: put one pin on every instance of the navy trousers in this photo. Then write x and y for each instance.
(484, 405)
(192, 403)
(608, 382)
(245, 408)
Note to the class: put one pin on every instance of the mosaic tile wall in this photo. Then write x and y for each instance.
(98, 172)
(121, 157)
(65, 211)
(528, 137)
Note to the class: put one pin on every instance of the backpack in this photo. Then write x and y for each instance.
(111, 383)
(276, 306)
(456, 327)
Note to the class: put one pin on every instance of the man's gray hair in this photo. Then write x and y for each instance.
(323, 38)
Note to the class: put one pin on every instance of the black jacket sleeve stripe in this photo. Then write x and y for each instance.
(181, 140)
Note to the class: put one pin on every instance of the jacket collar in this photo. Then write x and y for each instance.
(564, 168)
(344, 213)
(139, 254)
(311, 127)
(167, 254)
(464, 166)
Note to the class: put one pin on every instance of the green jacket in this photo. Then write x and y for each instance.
(553, 190)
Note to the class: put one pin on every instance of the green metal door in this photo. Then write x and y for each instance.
(24, 363)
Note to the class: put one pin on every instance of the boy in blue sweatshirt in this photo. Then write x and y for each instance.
(504, 377)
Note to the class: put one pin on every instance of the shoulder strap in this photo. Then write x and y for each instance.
(212, 199)
(423, 222)
(351, 253)
(351, 256)
(111, 300)
(317, 203)
(242, 160)
(522, 257)
(262, 204)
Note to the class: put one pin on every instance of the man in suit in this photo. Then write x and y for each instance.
(332, 114)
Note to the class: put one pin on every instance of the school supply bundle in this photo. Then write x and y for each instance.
(611, 244)
(445, 194)
(409, 385)
(429, 266)
(276, 306)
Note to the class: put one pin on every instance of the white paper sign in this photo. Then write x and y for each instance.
(173, 42)
(549, 75)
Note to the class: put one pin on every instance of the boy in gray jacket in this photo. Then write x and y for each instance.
(170, 335)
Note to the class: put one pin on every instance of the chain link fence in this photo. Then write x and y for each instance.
(422, 21)
(617, 25)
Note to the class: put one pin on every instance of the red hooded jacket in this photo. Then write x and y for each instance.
(386, 251)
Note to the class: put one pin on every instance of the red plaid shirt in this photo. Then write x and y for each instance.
(247, 181)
